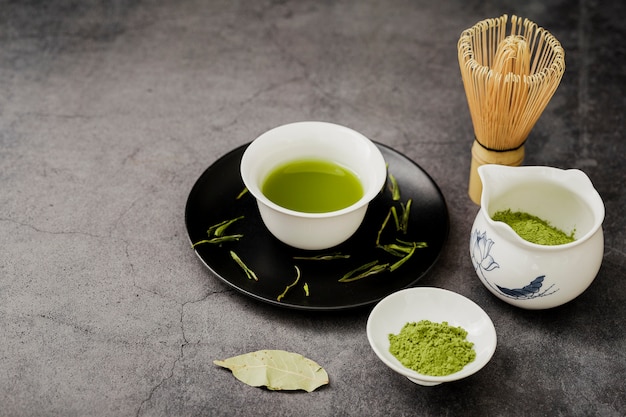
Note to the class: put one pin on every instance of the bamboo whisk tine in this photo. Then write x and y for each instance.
(509, 80)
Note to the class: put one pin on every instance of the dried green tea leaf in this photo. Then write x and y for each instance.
(393, 187)
(380, 231)
(242, 193)
(399, 263)
(406, 210)
(396, 219)
(249, 273)
(396, 249)
(324, 257)
(281, 296)
(216, 236)
(219, 228)
(276, 370)
(218, 240)
(363, 271)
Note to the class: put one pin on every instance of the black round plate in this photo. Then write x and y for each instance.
(215, 197)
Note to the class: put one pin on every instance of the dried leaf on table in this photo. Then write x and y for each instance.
(276, 370)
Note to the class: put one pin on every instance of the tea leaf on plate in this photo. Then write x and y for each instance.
(249, 273)
(402, 248)
(217, 240)
(242, 193)
(324, 257)
(395, 189)
(363, 271)
(395, 249)
(219, 228)
(402, 221)
(276, 370)
(399, 263)
(380, 231)
(280, 297)
(215, 233)
(406, 210)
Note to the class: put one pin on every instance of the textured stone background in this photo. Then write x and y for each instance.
(110, 111)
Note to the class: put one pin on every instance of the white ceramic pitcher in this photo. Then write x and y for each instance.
(526, 274)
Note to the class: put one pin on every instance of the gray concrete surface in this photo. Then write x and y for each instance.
(110, 111)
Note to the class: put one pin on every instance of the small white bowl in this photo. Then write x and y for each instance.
(313, 140)
(437, 305)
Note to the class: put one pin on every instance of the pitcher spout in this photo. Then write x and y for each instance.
(566, 199)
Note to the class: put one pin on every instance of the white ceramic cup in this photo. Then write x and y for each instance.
(313, 140)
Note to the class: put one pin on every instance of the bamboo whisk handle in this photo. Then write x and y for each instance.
(483, 156)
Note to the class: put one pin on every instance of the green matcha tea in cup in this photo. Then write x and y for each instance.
(313, 181)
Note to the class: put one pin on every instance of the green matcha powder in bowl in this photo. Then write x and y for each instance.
(425, 314)
(436, 349)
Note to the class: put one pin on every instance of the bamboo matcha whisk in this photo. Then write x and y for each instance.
(509, 80)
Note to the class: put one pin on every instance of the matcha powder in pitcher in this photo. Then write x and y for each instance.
(435, 349)
(532, 228)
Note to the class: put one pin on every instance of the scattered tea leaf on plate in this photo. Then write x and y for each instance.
(218, 240)
(220, 228)
(276, 370)
(394, 187)
(242, 193)
(380, 231)
(363, 271)
(216, 236)
(406, 211)
(249, 273)
(281, 296)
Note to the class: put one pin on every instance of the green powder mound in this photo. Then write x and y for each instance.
(435, 349)
(532, 228)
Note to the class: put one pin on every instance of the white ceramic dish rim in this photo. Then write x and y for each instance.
(393, 363)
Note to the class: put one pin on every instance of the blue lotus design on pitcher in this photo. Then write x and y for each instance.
(480, 251)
